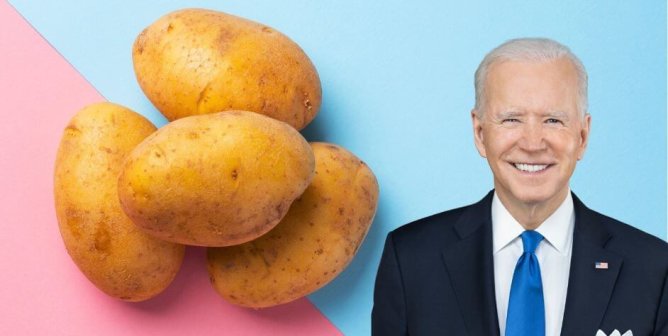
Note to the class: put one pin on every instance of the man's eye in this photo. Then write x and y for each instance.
(510, 120)
(553, 121)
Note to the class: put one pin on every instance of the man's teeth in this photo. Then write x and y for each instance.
(529, 167)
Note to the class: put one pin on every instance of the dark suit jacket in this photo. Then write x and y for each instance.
(436, 277)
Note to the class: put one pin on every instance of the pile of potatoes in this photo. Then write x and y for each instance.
(280, 217)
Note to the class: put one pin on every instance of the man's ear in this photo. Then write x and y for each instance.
(478, 137)
(584, 135)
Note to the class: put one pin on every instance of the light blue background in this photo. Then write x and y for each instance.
(397, 91)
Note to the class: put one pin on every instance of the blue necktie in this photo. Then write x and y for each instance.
(526, 310)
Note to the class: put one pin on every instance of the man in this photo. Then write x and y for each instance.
(529, 258)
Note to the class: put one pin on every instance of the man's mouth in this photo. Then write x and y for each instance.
(530, 168)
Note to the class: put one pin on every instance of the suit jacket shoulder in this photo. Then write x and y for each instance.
(636, 247)
(436, 276)
(419, 234)
(618, 278)
(443, 229)
(630, 241)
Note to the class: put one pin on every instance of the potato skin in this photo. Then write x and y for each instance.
(108, 248)
(217, 179)
(196, 61)
(313, 243)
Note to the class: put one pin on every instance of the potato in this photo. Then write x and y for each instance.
(313, 243)
(110, 250)
(217, 179)
(196, 61)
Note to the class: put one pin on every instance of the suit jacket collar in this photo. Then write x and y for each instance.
(589, 287)
(469, 264)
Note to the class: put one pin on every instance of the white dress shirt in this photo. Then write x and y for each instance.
(553, 254)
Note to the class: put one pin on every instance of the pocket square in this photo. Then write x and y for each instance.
(614, 333)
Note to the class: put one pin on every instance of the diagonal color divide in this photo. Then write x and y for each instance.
(42, 290)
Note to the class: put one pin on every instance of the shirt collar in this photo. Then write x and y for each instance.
(557, 229)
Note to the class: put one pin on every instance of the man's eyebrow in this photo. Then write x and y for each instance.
(556, 114)
(510, 113)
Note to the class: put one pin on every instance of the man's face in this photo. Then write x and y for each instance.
(531, 131)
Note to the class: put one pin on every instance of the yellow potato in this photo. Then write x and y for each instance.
(313, 243)
(216, 179)
(196, 61)
(110, 250)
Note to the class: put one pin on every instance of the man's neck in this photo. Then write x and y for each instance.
(532, 215)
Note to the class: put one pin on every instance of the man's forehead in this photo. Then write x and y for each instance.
(516, 111)
(547, 78)
(500, 65)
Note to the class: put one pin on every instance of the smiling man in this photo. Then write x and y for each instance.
(530, 258)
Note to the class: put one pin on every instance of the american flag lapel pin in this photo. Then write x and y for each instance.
(601, 265)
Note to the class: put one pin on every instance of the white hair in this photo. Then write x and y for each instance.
(529, 49)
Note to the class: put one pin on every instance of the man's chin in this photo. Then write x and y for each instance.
(533, 201)
(528, 197)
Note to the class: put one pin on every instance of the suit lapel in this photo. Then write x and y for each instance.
(469, 264)
(589, 288)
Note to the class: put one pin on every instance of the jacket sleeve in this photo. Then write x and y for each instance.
(661, 326)
(388, 316)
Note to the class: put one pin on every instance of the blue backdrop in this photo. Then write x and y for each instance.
(397, 90)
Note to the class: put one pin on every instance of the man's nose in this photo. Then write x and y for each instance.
(533, 138)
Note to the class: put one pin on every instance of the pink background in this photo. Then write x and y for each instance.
(41, 290)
